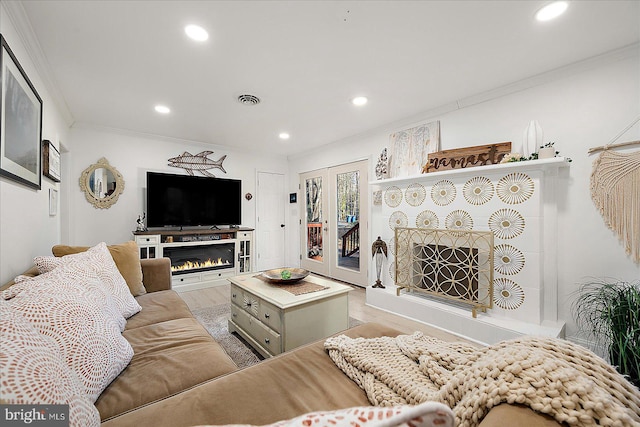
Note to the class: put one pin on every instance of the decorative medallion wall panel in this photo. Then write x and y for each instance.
(507, 203)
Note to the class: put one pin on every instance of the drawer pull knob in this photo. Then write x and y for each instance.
(233, 295)
(266, 315)
(266, 340)
(235, 315)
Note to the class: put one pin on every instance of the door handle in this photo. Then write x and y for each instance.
(282, 225)
(326, 228)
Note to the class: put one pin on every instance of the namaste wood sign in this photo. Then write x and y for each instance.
(459, 158)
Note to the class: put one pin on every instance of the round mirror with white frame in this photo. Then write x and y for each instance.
(102, 184)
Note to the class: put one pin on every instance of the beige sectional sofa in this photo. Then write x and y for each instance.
(172, 350)
(179, 376)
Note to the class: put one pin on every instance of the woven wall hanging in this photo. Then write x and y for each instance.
(615, 190)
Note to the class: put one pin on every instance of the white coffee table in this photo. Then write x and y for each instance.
(273, 320)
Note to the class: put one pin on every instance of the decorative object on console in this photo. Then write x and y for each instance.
(460, 158)
(532, 139)
(20, 122)
(50, 161)
(140, 221)
(102, 184)
(411, 148)
(379, 252)
(198, 162)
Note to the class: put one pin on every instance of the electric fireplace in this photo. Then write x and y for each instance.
(197, 258)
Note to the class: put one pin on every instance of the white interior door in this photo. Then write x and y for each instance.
(335, 222)
(270, 229)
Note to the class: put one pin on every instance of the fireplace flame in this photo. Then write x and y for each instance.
(190, 265)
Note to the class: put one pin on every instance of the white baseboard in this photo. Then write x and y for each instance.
(483, 329)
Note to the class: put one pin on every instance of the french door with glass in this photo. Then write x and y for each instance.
(335, 222)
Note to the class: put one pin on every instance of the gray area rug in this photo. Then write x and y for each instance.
(215, 319)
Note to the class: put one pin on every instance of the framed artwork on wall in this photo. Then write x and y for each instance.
(50, 161)
(20, 122)
(410, 149)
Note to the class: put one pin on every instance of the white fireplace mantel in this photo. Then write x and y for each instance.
(536, 281)
(551, 164)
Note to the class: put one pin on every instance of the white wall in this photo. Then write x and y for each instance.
(26, 229)
(581, 109)
(133, 155)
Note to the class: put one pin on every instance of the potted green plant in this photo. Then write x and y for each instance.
(608, 312)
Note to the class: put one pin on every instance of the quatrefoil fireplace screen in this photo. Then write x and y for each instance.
(451, 264)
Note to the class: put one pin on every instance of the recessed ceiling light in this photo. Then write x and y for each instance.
(284, 135)
(162, 109)
(359, 100)
(551, 11)
(196, 33)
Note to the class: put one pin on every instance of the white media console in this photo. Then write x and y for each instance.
(200, 258)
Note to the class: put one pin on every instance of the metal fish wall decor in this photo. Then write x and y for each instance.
(197, 162)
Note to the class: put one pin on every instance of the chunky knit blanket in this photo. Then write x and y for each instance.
(551, 376)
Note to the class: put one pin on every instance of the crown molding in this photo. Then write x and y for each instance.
(18, 17)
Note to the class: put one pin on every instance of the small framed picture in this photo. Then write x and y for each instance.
(293, 197)
(50, 161)
(53, 202)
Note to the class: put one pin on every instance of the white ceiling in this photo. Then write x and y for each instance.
(112, 61)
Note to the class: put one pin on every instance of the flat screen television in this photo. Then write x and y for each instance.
(191, 201)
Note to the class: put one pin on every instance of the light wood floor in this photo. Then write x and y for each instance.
(357, 309)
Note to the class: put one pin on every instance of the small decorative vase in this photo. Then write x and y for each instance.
(532, 138)
(546, 153)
